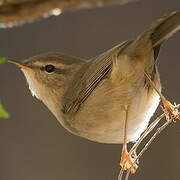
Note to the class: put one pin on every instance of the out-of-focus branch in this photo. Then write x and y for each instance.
(15, 12)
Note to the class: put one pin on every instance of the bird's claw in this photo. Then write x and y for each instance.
(128, 162)
(170, 110)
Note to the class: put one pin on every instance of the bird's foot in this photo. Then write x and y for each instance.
(128, 162)
(170, 110)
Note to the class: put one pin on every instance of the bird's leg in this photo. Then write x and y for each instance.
(169, 109)
(127, 162)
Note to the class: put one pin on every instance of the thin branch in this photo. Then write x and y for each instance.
(146, 132)
(136, 145)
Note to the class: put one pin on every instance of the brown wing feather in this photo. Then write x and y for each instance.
(89, 77)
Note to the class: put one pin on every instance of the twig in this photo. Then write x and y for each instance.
(120, 176)
(146, 132)
(159, 130)
(127, 174)
(133, 149)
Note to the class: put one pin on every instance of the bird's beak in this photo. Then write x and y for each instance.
(19, 65)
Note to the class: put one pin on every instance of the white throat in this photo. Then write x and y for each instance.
(32, 84)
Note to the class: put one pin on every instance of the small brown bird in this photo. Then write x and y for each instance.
(109, 98)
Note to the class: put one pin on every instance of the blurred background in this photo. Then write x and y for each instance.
(33, 145)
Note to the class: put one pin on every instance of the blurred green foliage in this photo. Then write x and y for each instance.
(3, 60)
(3, 112)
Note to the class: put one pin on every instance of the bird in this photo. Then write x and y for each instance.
(109, 98)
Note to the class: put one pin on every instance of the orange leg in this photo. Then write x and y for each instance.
(169, 109)
(127, 162)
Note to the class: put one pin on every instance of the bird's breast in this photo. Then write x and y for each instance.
(102, 116)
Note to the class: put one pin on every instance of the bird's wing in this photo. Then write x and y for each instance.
(91, 74)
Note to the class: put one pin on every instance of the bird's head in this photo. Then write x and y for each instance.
(48, 75)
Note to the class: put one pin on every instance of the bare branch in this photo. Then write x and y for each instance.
(146, 132)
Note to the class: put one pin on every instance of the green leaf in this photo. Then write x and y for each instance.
(3, 113)
(3, 60)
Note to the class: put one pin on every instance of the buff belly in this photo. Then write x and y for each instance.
(102, 122)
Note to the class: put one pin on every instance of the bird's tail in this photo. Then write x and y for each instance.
(158, 32)
(164, 28)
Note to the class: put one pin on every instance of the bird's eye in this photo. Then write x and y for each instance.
(49, 68)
